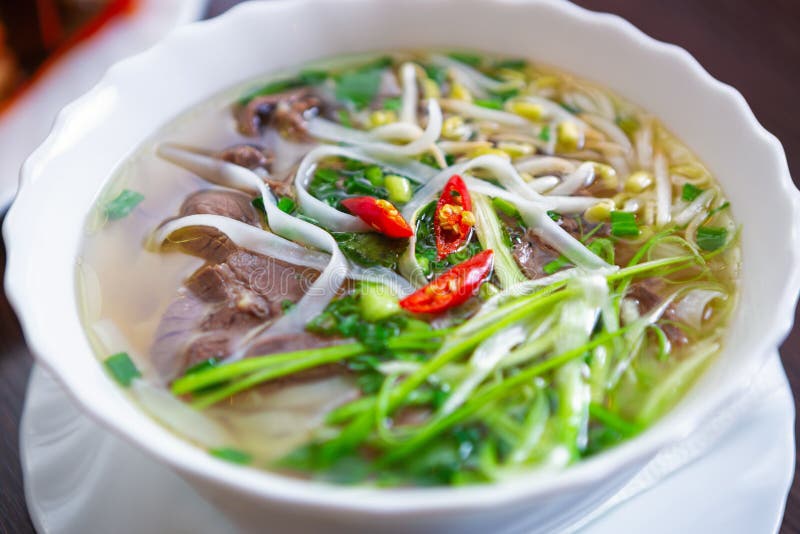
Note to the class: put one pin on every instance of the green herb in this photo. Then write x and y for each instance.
(504, 93)
(360, 86)
(489, 104)
(202, 366)
(344, 118)
(555, 265)
(286, 204)
(342, 317)
(512, 64)
(437, 74)
(313, 77)
(371, 249)
(504, 206)
(275, 87)
(554, 215)
(232, 455)
(722, 207)
(374, 175)
(473, 60)
(122, 368)
(392, 104)
(544, 134)
(710, 238)
(690, 192)
(123, 204)
(287, 305)
(623, 224)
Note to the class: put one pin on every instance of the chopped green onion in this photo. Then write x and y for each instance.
(392, 104)
(690, 192)
(374, 174)
(122, 368)
(344, 118)
(489, 104)
(473, 60)
(722, 207)
(287, 305)
(399, 189)
(512, 64)
(555, 265)
(554, 215)
(711, 238)
(503, 205)
(313, 77)
(544, 135)
(232, 455)
(286, 204)
(271, 88)
(123, 204)
(326, 175)
(623, 224)
(359, 87)
(202, 366)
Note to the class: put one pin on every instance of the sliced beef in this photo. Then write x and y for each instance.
(223, 202)
(649, 293)
(286, 112)
(251, 157)
(224, 302)
(206, 242)
(532, 254)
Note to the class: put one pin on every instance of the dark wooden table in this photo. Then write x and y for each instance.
(753, 45)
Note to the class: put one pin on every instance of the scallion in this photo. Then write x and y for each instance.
(623, 224)
(690, 192)
(122, 368)
(710, 238)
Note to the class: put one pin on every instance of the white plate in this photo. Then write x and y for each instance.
(80, 478)
(27, 123)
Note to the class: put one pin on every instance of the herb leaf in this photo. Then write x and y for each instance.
(623, 224)
(690, 192)
(122, 368)
(232, 455)
(710, 238)
(123, 204)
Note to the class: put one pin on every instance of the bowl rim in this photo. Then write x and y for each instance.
(366, 500)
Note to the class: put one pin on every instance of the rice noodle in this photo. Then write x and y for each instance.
(544, 184)
(314, 301)
(327, 215)
(268, 244)
(692, 307)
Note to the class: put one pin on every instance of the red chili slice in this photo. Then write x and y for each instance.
(452, 288)
(379, 214)
(454, 219)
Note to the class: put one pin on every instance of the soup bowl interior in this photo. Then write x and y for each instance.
(95, 134)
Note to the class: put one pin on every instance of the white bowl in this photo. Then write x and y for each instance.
(93, 135)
